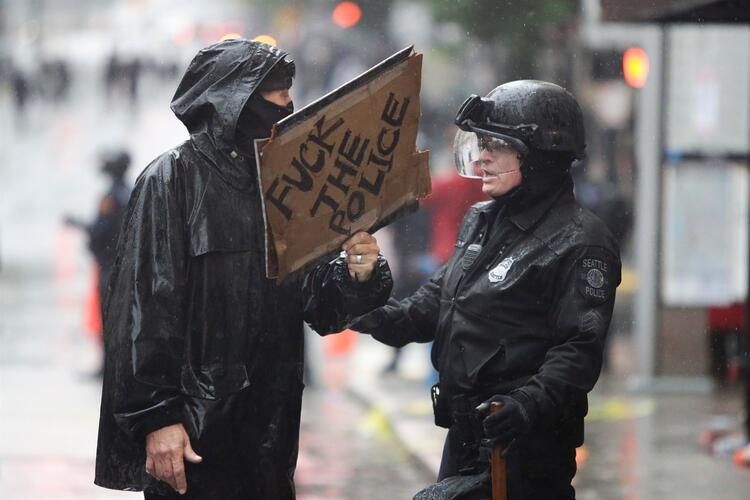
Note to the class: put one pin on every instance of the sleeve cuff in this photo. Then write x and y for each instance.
(528, 406)
(139, 424)
(363, 297)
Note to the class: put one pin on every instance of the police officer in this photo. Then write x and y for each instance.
(520, 313)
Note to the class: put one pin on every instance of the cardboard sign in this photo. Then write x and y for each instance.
(347, 162)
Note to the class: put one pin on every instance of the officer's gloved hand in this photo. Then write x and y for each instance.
(506, 424)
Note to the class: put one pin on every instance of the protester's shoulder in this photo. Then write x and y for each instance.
(165, 171)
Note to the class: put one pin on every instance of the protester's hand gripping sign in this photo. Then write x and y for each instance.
(345, 163)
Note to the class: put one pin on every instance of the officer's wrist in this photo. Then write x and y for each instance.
(527, 407)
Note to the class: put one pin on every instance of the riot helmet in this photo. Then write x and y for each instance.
(532, 117)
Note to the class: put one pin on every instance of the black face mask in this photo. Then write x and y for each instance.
(257, 118)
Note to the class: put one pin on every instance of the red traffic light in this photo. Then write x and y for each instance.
(347, 14)
(635, 67)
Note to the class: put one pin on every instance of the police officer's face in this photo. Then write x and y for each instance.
(501, 171)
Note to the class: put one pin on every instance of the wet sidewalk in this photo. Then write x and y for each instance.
(638, 446)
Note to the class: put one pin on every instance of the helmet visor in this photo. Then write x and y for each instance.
(468, 149)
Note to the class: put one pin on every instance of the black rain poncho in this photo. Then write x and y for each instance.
(194, 332)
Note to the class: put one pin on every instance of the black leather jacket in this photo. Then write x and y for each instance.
(528, 318)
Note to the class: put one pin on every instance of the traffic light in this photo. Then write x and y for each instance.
(635, 67)
(347, 14)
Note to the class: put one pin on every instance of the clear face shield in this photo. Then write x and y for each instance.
(472, 152)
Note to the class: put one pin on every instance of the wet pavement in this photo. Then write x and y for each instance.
(647, 447)
(349, 452)
(639, 446)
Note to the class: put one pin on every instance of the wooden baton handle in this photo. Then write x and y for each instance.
(497, 466)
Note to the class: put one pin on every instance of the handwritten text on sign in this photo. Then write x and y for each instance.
(352, 154)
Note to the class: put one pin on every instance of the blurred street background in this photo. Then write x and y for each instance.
(665, 87)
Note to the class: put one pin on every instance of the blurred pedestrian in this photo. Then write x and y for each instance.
(132, 73)
(103, 231)
(726, 325)
(105, 228)
(111, 75)
(21, 86)
(742, 454)
(54, 80)
(520, 312)
(203, 374)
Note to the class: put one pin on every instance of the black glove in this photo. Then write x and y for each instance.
(507, 423)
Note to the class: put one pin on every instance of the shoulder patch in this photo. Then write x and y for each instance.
(596, 278)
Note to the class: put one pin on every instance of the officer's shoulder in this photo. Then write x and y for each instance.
(476, 208)
(594, 232)
(479, 206)
(588, 220)
(472, 213)
(578, 227)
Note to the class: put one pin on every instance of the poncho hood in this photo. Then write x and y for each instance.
(218, 82)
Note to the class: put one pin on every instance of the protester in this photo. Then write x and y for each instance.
(204, 355)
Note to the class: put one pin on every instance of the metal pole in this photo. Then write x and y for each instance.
(648, 136)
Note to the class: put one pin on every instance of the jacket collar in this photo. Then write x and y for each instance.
(528, 218)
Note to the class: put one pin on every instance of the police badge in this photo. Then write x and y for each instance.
(498, 274)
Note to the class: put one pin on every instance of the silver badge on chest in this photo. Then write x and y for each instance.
(498, 274)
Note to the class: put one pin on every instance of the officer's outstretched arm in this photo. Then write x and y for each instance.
(583, 298)
(413, 319)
